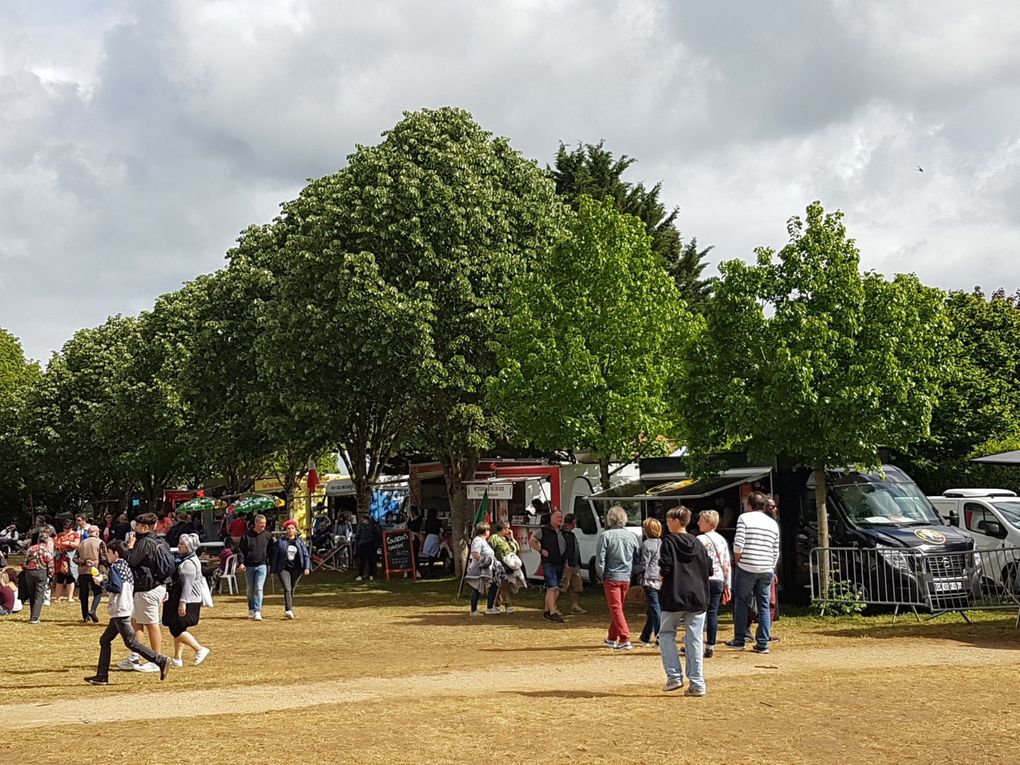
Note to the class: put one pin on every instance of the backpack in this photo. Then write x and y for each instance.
(159, 567)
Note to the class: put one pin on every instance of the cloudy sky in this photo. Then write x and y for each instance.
(138, 138)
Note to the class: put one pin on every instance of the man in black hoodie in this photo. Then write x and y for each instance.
(684, 569)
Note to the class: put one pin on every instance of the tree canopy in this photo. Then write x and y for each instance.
(596, 338)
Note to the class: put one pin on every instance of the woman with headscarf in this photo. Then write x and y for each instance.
(289, 559)
(183, 606)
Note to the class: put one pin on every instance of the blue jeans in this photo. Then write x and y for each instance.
(715, 590)
(255, 578)
(745, 586)
(653, 615)
(694, 646)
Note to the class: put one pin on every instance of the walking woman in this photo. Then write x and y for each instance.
(64, 568)
(479, 571)
(183, 606)
(650, 579)
(37, 568)
(289, 559)
(614, 559)
(507, 553)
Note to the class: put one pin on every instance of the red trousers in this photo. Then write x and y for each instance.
(616, 594)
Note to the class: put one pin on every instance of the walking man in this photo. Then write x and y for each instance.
(572, 565)
(551, 543)
(90, 553)
(756, 552)
(253, 554)
(38, 567)
(684, 568)
(152, 565)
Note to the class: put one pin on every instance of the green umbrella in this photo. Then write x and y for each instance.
(257, 503)
(199, 504)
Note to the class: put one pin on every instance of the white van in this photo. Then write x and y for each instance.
(992, 516)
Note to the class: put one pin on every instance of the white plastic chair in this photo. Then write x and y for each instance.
(229, 576)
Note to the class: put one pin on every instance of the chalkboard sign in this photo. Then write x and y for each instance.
(398, 552)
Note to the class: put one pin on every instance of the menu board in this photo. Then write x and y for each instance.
(398, 552)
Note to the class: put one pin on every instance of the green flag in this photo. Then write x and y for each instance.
(483, 510)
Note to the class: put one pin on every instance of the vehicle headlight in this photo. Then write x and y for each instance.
(894, 557)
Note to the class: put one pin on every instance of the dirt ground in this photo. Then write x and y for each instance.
(398, 673)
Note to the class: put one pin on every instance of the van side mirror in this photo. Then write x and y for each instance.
(992, 529)
(954, 518)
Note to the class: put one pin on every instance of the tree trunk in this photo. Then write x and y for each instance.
(604, 472)
(456, 470)
(821, 488)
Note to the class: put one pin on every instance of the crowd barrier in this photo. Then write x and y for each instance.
(910, 579)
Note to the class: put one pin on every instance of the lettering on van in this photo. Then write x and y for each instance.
(930, 535)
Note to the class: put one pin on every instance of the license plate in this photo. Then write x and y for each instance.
(948, 586)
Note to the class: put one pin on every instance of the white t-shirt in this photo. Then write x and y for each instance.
(757, 541)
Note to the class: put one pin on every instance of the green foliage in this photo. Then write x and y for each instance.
(805, 356)
(17, 376)
(978, 412)
(841, 599)
(591, 170)
(597, 334)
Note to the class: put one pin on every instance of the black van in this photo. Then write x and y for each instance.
(884, 514)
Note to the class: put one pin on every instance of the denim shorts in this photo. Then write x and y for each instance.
(553, 575)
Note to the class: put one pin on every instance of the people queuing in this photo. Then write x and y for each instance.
(756, 552)
(649, 579)
(719, 583)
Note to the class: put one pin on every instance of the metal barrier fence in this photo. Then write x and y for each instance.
(935, 580)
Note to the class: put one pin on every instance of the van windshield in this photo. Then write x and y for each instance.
(886, 504)
(631, 506)
(1010, 511)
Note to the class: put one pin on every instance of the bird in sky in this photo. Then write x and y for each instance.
(920, 169)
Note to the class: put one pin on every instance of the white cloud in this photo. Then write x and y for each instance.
(137, 139)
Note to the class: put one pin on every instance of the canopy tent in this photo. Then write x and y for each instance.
(658, 487)
(1004, 458)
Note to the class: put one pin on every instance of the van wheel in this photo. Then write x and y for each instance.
(593, 577)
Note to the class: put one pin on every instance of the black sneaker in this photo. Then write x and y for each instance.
(760, 649)
(94, 618)
(556, 617)
(547, 616)
(709, 653)
(97, 680)
(163, 662)
(734, 644)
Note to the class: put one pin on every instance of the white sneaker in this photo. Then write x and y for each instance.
(492, 612)
(200, 656)
(126, 665)
(288, 614)
(179, 663)
(477, 613)
(46, 601)
(258, 616)
(509, 609)
(371, 579)
(673, 685)
(357, 579)
(146, 667)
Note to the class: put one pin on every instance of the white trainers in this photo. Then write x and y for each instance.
(126, 665)
(357, 579)
(179, 663)
(258, 616)
(492, 612)
(371, 579)
(477, 613)
(288, 614)
(509, 609)
(673, 685)
(200, 656)
(146, 667)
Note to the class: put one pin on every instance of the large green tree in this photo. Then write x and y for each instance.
(979, 409)
(596, 338)
(449, 214)
(592, 170)
(807, 357)
(17, 376)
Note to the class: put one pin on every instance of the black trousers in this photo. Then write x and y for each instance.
(289, 579)
(35, 580)
(120, 625)
(87, 586)
(366, 556)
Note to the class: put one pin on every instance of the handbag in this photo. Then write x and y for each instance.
(727, 596)
(512, 561)
(207, 601)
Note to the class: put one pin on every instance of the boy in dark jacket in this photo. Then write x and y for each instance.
(684, 569)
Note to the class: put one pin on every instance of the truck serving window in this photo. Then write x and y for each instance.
(885, 503)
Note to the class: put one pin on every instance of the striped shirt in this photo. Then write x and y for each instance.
(757, 541)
